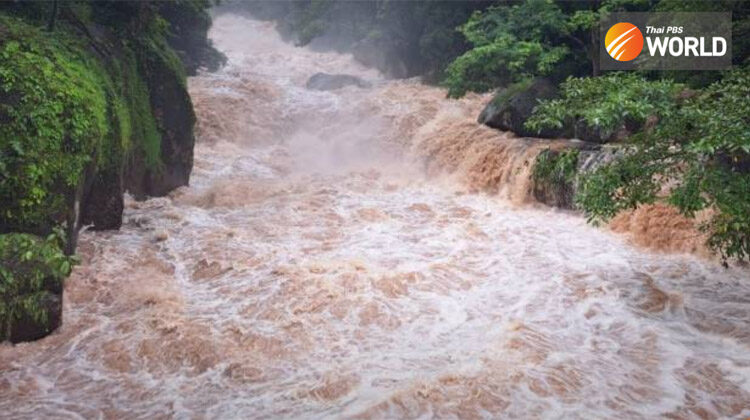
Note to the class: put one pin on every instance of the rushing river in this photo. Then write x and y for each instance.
(371, 253)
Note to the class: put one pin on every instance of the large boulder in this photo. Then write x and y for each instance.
(512, 106)
(325, 81)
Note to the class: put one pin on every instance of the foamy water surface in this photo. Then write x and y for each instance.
(371, 253)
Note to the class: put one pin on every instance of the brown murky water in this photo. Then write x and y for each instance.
(367, 253)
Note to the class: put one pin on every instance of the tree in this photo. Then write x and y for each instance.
(700, 148)
(52, 16)
(532, 38)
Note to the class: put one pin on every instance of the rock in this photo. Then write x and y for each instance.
(380, 54)
(325, 81)
(595, 134)
(26, 328)
(31, 296)
(512, 106)
(102, 201)
(557, 190)
(175, 118)
(207, 270)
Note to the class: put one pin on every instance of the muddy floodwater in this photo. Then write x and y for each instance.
(373, 253)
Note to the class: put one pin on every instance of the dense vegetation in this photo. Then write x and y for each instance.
(700, 147)
(93, 102)
(54, 122)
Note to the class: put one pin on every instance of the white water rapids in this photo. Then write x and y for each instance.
(362, 253)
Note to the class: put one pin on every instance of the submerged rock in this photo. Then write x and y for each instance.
(325, 81)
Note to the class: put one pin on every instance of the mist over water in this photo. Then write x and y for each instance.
(372, 253)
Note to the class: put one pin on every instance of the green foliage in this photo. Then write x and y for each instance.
(556, 167)
(554, 174)
(30, 267)
(510, 44)
(624, 184)
(54, 121)
(308, 19)
(718, 120)
(505, 94)
(144, 131)
(607, 103)
(700, 149)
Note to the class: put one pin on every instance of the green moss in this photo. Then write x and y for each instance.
(54, 113)
(554, 176)
(30, 268)
(145, 132)
(556, 167)
(62, 109)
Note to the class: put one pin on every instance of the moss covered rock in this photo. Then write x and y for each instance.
(32, 271)
(556, 172)
(55, 122)
(89, 109)
(174, 119)
(86, 116)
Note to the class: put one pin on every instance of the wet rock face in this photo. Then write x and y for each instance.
(325, 81)
(560, 191)
(595, 134)
(31, 275)
(173, 111)
(26, 327)
(511, 107)
(383, 56)
(102, 203)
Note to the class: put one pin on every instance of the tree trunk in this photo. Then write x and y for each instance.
(594, 52)
(52, 16)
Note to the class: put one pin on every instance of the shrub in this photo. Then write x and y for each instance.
(700, 149)
(510, 44)
(607, 103)
(30, 268)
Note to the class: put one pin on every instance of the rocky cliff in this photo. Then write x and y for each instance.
(93, 104)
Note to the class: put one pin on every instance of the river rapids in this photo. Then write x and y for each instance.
(373, 253)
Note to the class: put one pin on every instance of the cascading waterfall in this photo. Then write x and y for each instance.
(362, 253)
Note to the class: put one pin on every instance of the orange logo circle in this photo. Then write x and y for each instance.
(624, 41)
